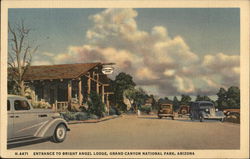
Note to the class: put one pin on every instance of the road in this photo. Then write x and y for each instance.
(147, 132)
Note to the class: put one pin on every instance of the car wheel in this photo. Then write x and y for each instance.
(201, 119)
(191, 117)
(222, 119)
(59, 133)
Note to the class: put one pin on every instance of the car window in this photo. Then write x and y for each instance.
(206, 104)
(21, 105)
(8, 105)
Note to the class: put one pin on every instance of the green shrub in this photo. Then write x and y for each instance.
(68, 116)
(81, 116)
(121, 106)
(41, 104)
(112, 111)
(95, 104)
(93, 116)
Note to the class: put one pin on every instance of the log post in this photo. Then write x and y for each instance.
(107, 102)
(69, 91)
(56, 106)
(103, 93)
(89, 85)
(80, 91)
(97, 83)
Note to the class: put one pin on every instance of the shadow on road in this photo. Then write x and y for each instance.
(10, 146)
(178, 119)
(189, 120)
(153, 117)
(150, 117)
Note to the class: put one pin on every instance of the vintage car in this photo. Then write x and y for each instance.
(230, 111)
(146, 108)
(202, 110)
(28, 124)
(184, 110)
(165, 110)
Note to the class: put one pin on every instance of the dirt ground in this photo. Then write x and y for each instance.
(147, 132)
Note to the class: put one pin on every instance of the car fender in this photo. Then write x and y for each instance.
(221, 114)
(48, 128)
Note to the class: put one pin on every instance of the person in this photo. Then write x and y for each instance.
(138, 112)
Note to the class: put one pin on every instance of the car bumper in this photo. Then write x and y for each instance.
(166, 115)
(214, 117)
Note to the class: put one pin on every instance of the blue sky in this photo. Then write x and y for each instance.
(207, 35)
(206, 30)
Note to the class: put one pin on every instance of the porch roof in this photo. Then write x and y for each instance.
(63, 71)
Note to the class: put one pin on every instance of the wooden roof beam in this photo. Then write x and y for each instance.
(94, 79)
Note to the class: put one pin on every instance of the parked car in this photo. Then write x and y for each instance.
(233, 110)
(202, 110)
(184, 110)
(28, 124)
(147, 108)
(166, 110)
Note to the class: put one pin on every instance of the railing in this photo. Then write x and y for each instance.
(61, 106)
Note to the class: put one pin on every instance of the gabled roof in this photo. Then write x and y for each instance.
(64, 71)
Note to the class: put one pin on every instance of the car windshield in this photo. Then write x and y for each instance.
(206, 104)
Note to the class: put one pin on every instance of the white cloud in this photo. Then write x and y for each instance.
(41, 62)
(145, 74)
(184, 85)
(225, 66)
(170, 72)
(220, 61)
(153, 58)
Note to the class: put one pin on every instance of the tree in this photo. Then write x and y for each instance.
(203, 98)
(176, 104)
(198, 98)
(233, 96)
(130, 94)
(229, 98)
(222, 98)
(154, 103)
(168, 100)
(122, 82)
(185, 99)
(141, 97)
(20, 54)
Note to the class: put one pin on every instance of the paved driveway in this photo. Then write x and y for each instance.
(147, 132)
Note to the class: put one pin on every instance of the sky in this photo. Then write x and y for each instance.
(168, 51)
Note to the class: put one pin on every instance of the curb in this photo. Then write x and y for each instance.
(92, 121)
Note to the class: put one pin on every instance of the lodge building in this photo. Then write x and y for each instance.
(59, 84)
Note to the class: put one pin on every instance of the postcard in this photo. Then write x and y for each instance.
(124, 79)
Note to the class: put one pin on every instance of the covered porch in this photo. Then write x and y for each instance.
(70, 86)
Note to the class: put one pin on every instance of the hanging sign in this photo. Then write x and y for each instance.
(107, 70)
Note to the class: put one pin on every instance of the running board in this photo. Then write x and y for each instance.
(27, 139)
